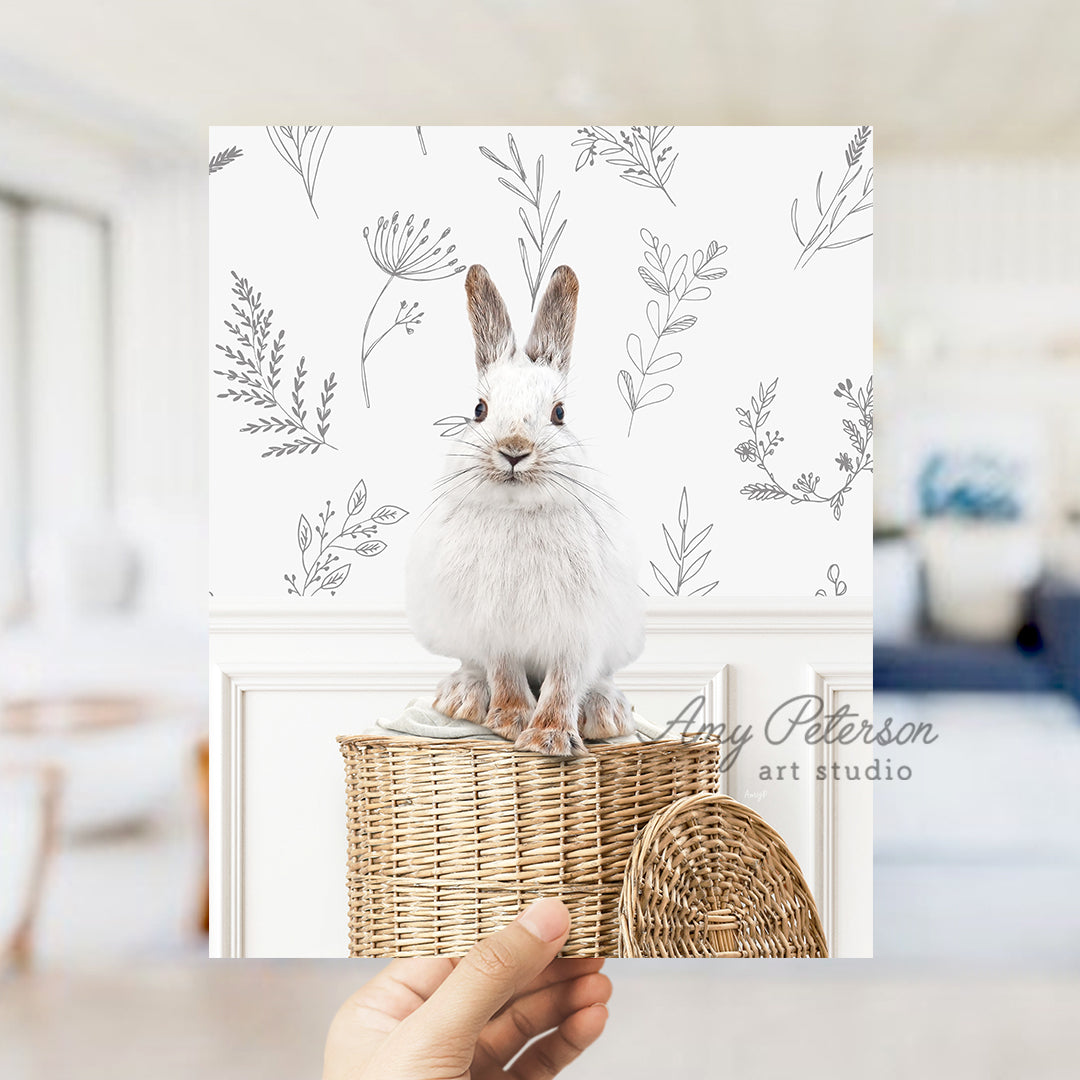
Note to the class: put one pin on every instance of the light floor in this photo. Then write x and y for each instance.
(978, 855)
(266, 1020)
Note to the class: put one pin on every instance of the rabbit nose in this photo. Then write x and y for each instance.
(514, 458)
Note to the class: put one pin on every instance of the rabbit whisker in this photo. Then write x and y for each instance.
(584, 505)
(486, 442)
(574, 442)
(463, 498)
(429, 509)
(455, 480)
(573, 464)
(594, 492)
(475, 429)
(545, 442)
(454, 475)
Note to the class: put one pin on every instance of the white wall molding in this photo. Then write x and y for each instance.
(769, 615)
(229, 686)
(232, 682)
(827, 873)
(226, 841)
(341, 667)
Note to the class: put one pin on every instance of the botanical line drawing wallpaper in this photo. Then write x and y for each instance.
(837, 586)
(301, 148)
(847, 200)
(322, 564)
(538, 221)
(225, 157)
(687, 556)
(678, 280)
(256, 375)
(725, 400)
(853, 460)
(644, 154)
(403, 250)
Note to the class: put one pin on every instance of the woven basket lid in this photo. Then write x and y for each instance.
(708, 877)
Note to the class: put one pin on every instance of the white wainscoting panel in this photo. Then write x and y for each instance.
(287, 679)
(842, 813)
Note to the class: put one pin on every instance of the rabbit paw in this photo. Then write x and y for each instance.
(508, 720)
(463, 696)
(605, 712)
(554, 742)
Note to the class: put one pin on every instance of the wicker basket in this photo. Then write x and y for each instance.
(448, 840)
(709, 877)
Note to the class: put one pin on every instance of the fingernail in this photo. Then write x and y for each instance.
(546, 919)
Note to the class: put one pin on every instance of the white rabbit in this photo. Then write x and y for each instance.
(521, 570)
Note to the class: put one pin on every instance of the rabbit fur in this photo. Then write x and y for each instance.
(522, 569)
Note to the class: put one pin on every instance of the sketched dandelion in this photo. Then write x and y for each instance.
(402, 249)
(405, 250)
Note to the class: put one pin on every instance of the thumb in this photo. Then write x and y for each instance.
(491, 973)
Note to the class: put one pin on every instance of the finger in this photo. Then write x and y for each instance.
(561, 969)
(373, 1012)
(548, 1056)
(403, 985)
(398, 990)
(490, 974)
(538, 1012)
(419, 976)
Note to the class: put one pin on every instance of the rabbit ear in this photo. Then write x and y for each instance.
(553, 329)
(490, 322)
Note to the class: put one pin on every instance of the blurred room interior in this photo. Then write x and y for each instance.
(103, 117)
(977, 553)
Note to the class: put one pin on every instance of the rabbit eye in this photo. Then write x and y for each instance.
(558, 414)
(480, 411)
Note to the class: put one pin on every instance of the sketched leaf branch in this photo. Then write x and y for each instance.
(846, 202)
(301, 148)
(855, 148)
(763, 443)
(403, 250)
(255, 378)
(678, 282)
(683, 549)
(537, 221)
(642, 153)
(225, 157)
(322, 569)
(763, 492)
(833, 575)
(452, 426)
(358, 498)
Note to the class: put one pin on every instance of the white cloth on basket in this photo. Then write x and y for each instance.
(420, 719)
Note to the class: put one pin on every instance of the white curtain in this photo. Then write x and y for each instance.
(55, 393)
(12, 486)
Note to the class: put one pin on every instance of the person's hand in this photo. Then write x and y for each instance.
(442, 1019)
